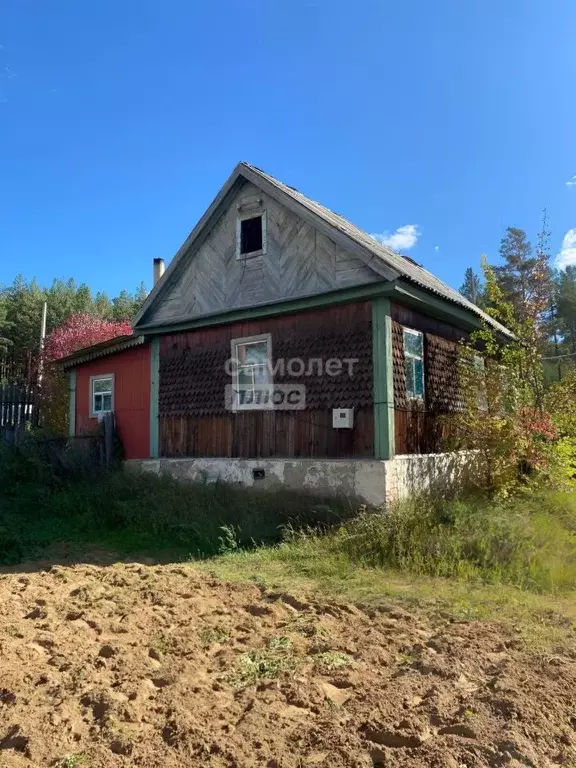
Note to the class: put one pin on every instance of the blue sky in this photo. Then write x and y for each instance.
(119, 121)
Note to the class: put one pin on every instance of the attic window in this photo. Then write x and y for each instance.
(251, 236)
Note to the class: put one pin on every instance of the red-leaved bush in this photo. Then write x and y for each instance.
(77, 332)
(80, 331)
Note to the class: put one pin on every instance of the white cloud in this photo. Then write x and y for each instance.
(567, 255)
(571, 182)
(436, 248)
(401, 239)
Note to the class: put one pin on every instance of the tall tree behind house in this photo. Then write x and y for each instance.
(566, 298)
(524, 278)
(21, 310)
(472, 287)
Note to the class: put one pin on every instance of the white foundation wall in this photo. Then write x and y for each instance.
(374, 482)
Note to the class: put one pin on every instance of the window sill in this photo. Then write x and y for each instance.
(241, 408)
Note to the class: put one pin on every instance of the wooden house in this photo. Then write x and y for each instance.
(274, 297)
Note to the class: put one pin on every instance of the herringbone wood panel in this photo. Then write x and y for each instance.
(299, 261)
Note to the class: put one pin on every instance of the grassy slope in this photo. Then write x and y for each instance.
(514, 561)
(544, 619)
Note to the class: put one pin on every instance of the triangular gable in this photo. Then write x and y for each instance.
(344, 250)
(343, 256)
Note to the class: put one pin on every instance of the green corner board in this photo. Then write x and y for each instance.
(383, 391)
(154, 396)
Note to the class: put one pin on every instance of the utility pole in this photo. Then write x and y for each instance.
(42, 338)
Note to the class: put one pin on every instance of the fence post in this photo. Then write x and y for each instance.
(108, 425)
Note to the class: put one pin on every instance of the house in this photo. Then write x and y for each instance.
(112, 376)
(283, 345)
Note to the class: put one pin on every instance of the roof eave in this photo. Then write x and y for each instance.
(93, 353)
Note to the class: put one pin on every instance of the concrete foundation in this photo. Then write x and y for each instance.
(374, 482)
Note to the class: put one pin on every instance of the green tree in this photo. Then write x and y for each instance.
(103, 306)
(122, 306)
(472, 287)
(4, 326)
(524, 278)
(21, 312)
(566, 298)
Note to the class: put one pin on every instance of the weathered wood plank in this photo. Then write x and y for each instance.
(299, 261)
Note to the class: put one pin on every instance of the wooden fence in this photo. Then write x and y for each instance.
(18, 410)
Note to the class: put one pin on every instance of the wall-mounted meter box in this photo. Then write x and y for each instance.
(343, 418)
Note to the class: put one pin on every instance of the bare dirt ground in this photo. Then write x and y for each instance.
(140, 665)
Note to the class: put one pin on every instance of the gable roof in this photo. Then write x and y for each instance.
(382, 259)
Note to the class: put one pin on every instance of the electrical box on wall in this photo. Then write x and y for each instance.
(343, 418)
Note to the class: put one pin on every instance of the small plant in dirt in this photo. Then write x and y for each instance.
(212, 635)
(310, 627)
(71, 761)
(162, 644)
(77, 677)
(265, 663)
(330, 660)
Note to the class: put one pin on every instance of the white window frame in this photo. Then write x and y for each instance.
(409, 356)
(243, 217)
(101, 376)
(234, 344)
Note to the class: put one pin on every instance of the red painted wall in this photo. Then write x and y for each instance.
(131, 369)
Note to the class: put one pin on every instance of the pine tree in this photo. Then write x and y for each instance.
(523, 278)
(567, 305)
(472, 287)
(103, 306)
(122, 306)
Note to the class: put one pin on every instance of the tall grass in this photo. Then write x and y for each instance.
(138, 511)
(528, 542)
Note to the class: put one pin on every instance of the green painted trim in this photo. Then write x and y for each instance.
(383, 390)
(154, 396)
(343, 296)
(398, 290)
(72, 403)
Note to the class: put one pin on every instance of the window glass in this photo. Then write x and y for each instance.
(482, 394)
(253, 375)
(102, 395)
(413, 343)
(418, 377)
(102, 385)
(414, 363)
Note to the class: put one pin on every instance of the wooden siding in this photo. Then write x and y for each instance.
(421, 426)
(299, 261)
(131, 369)
(193, 417)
